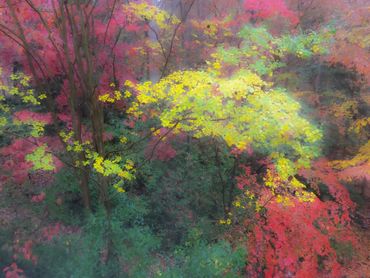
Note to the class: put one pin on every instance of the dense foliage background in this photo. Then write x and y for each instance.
(184, 138)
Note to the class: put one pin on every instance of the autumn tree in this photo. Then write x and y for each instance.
(185, 123)
(74, 55)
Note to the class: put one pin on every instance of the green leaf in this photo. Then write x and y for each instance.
(41, 159)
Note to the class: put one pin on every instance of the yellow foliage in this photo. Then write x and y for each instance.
(151, 13)
(360, 124)
(114, 167)
(241, 109)
(362, 157)
(345, 109)
(110, 97)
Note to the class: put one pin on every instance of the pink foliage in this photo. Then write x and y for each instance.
(248, 179)
(14, 163)
(26, 116)
(356, 172)
(160, 147)
(46, 41)
(322, 172)
(264, 9)
(38, 198)
(290, 241)
(13, 271)
(14, 159)
(26, 251)
(295, 240)
(48, 233)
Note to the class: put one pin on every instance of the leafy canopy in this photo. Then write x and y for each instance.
(240, 108)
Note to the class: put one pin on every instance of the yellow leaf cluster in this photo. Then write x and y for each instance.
(362, 157)
(110, 97)
(114, 167)
(151, 13)
(360, 124)
(241, 109)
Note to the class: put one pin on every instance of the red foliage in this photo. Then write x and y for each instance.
(49, 49)
(352, 56)
(160, 147)
(24, 251)
(14, 160)
(46, 41)
(263, 9)
(13, 271)
(322, 172)
(14, 164)
(356, 172)
(245, 183)
(350, 19)
(26, 116)
(296, 240)
(38, 198)
(54, 230)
